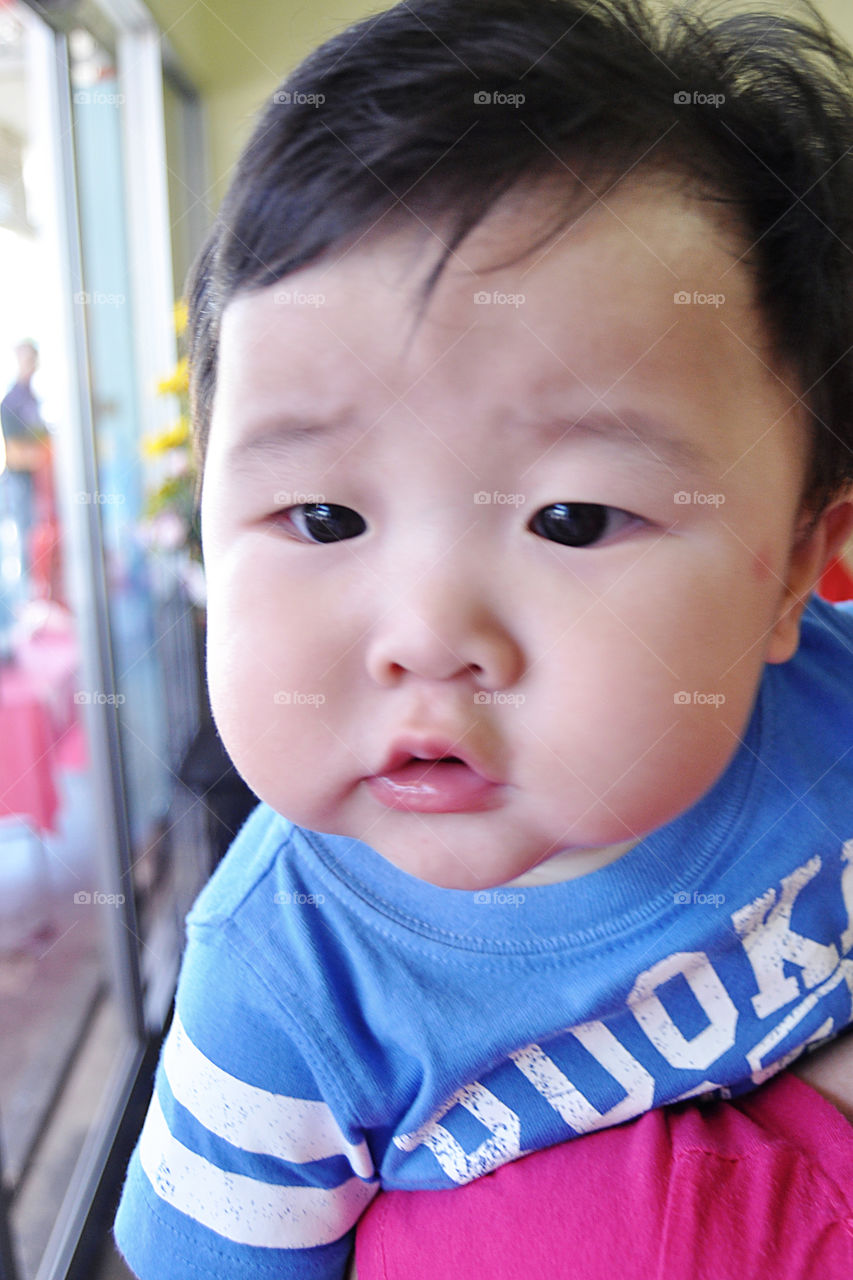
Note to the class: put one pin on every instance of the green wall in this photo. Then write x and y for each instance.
(235, 53)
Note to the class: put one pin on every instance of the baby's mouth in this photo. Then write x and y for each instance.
(445, 784)
(420, 766)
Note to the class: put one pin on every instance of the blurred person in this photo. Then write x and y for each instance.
(25, 439)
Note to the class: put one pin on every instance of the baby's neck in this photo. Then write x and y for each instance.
(569, 864)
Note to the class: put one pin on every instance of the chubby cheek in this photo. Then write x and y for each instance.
(645, 712)
(271, 684)
(642, 759)
(763, 566)
(621, 757)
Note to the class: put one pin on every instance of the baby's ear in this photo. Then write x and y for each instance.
(816, 544)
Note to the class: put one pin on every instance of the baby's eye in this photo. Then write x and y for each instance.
(325, 521)
(579, 524)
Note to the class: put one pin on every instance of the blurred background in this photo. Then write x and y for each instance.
(119, 123)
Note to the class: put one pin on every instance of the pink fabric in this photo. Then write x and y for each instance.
(39, 726)
(26, 745)
(50, 659)
(753, 1188)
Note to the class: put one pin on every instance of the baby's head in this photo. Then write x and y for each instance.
(521, 372)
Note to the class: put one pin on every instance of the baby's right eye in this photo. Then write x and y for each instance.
(325, 521)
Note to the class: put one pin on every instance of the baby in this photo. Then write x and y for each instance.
(521, 368)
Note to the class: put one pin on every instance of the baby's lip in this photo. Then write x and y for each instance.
(409, 746)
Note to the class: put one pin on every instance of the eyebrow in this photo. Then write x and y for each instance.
(282, 436)
(646, 437)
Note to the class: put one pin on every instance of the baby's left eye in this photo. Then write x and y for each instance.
(580, 524)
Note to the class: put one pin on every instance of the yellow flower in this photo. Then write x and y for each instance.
(178, 383)
(174, 437)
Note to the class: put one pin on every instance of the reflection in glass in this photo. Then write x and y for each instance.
(102, 849)
(57, 1009)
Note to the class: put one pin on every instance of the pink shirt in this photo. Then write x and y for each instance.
(759, 1188)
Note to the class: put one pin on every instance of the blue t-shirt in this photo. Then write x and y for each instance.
(341, 1025)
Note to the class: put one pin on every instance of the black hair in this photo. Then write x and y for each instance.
(435, 109)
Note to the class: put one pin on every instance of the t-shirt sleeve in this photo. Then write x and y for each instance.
(243, 1168)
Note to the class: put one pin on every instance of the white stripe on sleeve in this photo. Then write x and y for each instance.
(240, 1208)
(292, 1129)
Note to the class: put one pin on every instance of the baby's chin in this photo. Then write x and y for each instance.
(474, 870)
(539, 874)
(442, 859)
(465, 851)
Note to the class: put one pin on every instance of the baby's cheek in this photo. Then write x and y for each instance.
(241, 677)
(762, 565)
(271, 699)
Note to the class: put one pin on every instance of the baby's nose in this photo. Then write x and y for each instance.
(439, 638)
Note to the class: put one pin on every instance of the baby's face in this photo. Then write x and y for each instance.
(555, 539)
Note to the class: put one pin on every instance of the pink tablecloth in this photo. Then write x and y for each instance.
(39, 728)
(27, 742)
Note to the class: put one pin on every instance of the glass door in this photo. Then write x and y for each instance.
(58, 1007)
(102, 848)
